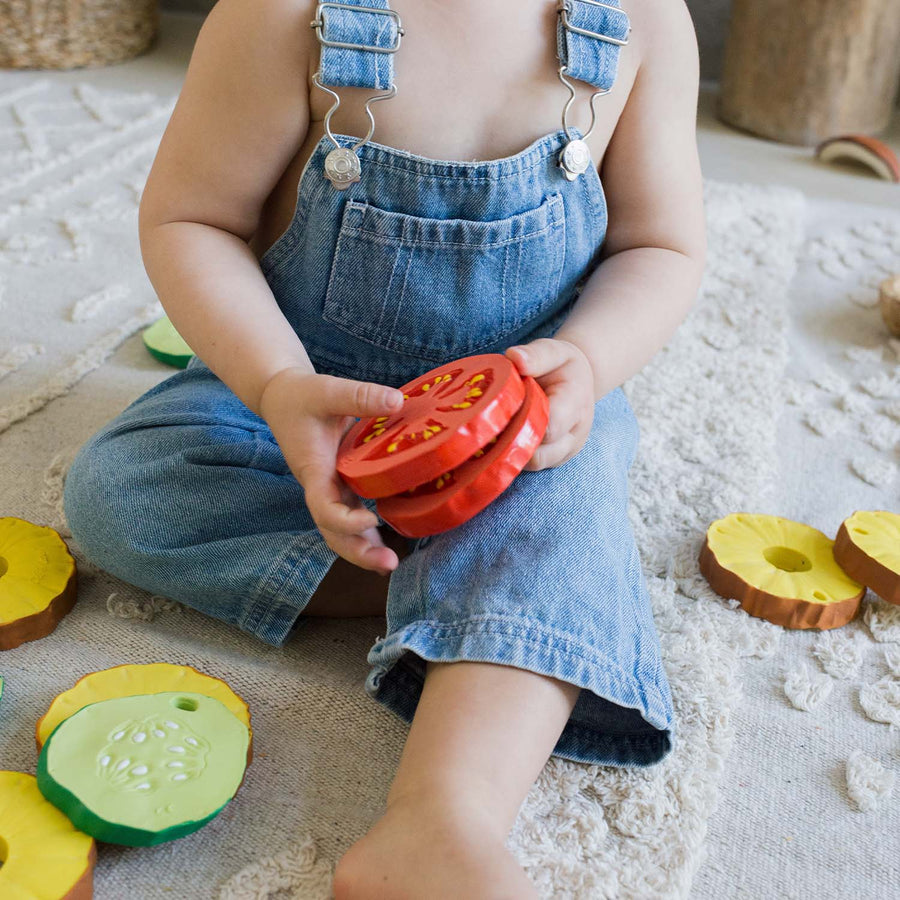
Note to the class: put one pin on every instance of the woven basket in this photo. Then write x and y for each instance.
(67, 34)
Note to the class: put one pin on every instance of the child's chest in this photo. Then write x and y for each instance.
(474, 81)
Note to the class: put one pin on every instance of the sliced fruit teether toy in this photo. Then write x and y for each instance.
(166, 344)
(132, 679)
(37, 581)
(780, 570)
(867, 548)
(42, 856)
(144, 769)
(457, 495)
(449, 413)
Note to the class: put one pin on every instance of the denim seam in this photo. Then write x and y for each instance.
(490, 176)
(260, 445)
(579, 741)
(596, 197)
(591, 203)
(339, 363)
(287, 241)
(636, 739)
(486, 624)
(560, 261)
(605, 674)
(427, 352)
(409, 257)
(504, 325)
(271, 584)
(378, 238)
(552, 201)
(333, 311)
(363, 334)
(607, 741)
(387, 292)
(495, 169)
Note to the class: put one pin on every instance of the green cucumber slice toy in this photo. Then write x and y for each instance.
(166, 344)
(144, 769)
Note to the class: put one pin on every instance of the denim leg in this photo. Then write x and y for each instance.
(546, 578)
(186, 494)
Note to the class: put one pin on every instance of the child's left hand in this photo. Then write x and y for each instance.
(567, 378)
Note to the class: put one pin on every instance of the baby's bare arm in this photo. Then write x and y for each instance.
(242, 112)
(653, 255)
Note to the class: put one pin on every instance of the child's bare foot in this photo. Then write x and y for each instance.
(417, 850)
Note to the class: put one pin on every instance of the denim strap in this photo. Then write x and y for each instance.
(590, 58)
(346, 67)
(587, 57)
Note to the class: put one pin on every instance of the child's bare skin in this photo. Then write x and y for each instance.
(475, 81)
(480, 737)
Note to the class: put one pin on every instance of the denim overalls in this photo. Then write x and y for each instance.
(412, 264)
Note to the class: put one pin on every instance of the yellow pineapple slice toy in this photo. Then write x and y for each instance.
(43, 855)
(868, 549)
(780, 570)
(37, 581)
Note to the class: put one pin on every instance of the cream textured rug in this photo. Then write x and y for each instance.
(73, 297)
(810, 800)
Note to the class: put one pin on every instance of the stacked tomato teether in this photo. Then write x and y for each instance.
(466, 429)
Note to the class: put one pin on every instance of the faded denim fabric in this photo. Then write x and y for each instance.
(186, 493)
(346, 67)
(586, 57)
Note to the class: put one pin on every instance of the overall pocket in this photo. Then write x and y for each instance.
(439, 289)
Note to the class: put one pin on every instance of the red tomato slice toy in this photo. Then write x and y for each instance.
(457, 495)
(449, 413)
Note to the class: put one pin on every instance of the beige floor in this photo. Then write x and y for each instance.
(730, 155)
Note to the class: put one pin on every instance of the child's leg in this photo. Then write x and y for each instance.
(481, 732)
(186, 494)
(480, 736)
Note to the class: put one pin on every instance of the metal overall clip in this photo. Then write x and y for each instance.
(342, 166)
(575, 157)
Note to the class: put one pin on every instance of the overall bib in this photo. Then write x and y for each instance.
(409, 264)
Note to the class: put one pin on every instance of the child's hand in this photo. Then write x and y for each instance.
(567, 377)
(308, 414)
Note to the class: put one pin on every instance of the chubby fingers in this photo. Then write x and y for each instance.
(540, 357)
(331, 502)
(549, 455)
(349, 528)
(366, 549)
(543, 360)
(564, 412)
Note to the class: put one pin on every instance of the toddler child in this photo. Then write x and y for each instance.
(314, 270)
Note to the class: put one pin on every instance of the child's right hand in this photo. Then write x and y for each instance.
(308, 414)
